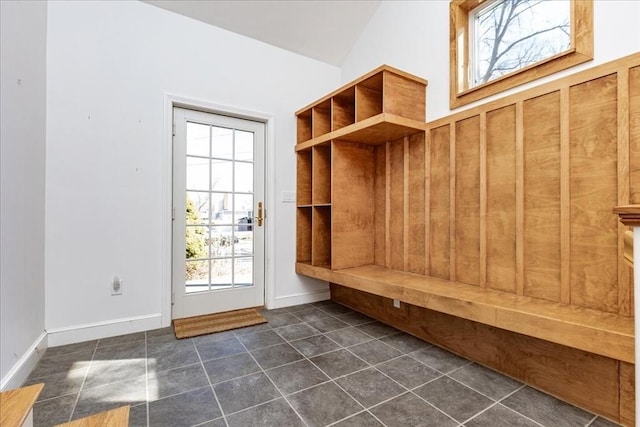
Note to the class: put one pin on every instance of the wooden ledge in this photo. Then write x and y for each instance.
(629, 215)
(118, 417)
(15, 405)
(589, 330)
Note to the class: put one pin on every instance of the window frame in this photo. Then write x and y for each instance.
(580, 51)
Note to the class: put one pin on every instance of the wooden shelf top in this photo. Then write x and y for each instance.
(118, 417)
(375, 130)
(15, 405)
(629, 215)
(346, 86)
(589, 330)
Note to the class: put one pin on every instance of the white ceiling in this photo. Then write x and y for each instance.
(321, 29)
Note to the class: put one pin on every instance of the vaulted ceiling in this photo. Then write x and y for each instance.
(325, 30)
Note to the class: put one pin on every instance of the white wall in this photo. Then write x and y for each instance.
(414, 36)
(23, 27)
(109, 66)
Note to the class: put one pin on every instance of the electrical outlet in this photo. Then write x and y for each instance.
(396, 303)
(116, 286)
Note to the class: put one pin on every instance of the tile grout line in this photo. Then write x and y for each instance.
(86, 374)
(215, 395)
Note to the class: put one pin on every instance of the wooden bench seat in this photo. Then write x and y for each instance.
(117, 417)
(16, 406)
(589, 330)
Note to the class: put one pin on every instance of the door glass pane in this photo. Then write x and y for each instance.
(221, 208)
(244, 177)
(243, 208)
(221, 241)
(243, 237)
(196, 242)
(221, 175)
(243, 270)
(197, 173)
(221, 272)
(197, 139)
(221, 143)
(197, 276)
(197, 207)
(244, 145)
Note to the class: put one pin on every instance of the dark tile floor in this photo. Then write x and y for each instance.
(312, 365)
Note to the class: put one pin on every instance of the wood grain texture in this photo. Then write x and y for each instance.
(380, 211)
(321, 236)
(542, 197)
(396, 204)
(579, 377)
(303, 234)
(415, 229)
(501, 199)
(565, 197)
(467, 201)
(321, 179)
(353, 205)
(321, 119)
(439, 206)
(634, 134)
(343, 109)
(16, 405)
(303, 175)
(594, 231)
(627, 394)
(403, 96)
(303, 126)
(118, 417)
(625, 276)
(369, 97)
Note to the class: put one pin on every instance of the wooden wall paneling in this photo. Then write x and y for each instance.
(627, 394)
(396, 246)
(303, 175)
(403, 97)
(452, 201)
(501, 199)
(405, 205)
(415, 200)
(387, 204)
(439, 202)
(565, 198)
(321, 119)
(634, 134)
(303, 234)
(343, 111)
(483, 200)
(585, 379)
(593, 188)
(321, 189)
(427, 203)
(369, 97)
(625, 281)
(541, 129)
(352, 207)
(519, 198)
(303, 126)
(380, 210)
(467, 201)
(321, 236)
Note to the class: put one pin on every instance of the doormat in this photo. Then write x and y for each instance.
(218, 322)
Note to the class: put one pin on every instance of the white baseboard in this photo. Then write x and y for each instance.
(302, 298)
(111, 328)
(23, 367)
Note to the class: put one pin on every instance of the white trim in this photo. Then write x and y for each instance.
(170, 101)
(108, 328)
(23, 367)
(301, 298)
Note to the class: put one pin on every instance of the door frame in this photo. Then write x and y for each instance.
(171, 101)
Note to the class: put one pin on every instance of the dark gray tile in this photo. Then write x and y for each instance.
(186, 409)
(230, 367)
(439, 359)
(160, 332)
(86, 349)
(312, 346)
(375, 352)
(103, 398)
(601, 422)
(53, 411)
(377, 329)
(354, 318)
(176, 381)
(409, 410)
(166, 360)
(323, 303)
(408, 372)
(60, 384)
(104, 372)
(60, 363)
(500, 416)
(138, 416)
(218, 349)
(296, 376)
(456, 400)
(261, 340)
(121, 339)
(274, 311)
(276, 355)
(166, 342)
(338, 363)
(545, 409)
(335, 309)
(348, 336)
(274, 413)
(328, 324)
(126, 350)
(252, 329)
(486, 381)
(244, 392)
(301, 308)
(404, 342)
(324, 404)
(363, 419)
(297, 331)
(215, 423)
(279, 320)
(370, 387)
(311, 315)
(210, 338)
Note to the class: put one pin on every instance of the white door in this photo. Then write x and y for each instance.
(218, 229)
